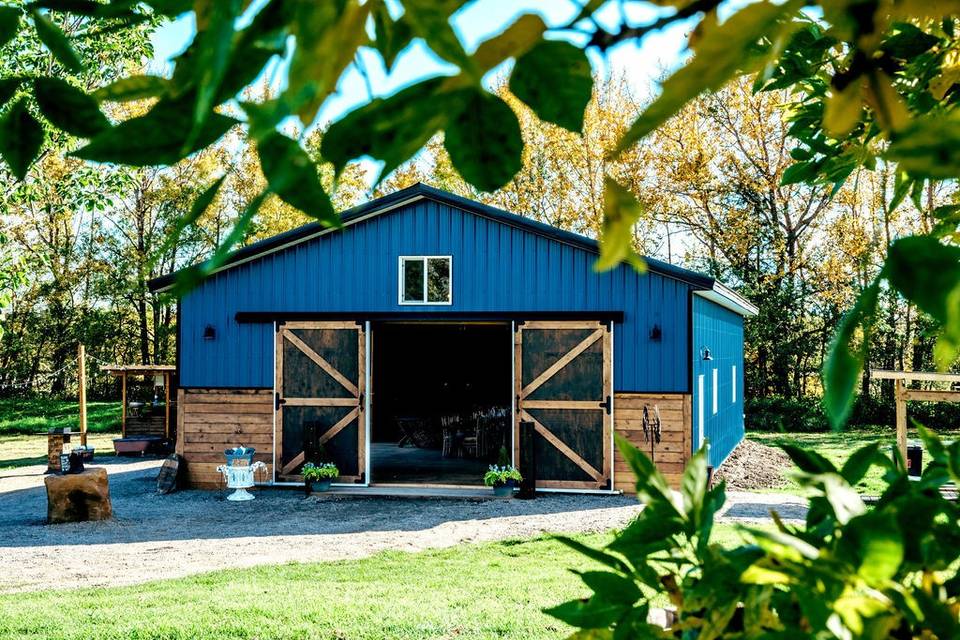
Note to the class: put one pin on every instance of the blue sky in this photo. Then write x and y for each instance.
(475, 23)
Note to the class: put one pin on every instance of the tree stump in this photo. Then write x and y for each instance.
(78, 497)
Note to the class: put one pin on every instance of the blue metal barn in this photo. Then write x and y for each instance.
(430, 309)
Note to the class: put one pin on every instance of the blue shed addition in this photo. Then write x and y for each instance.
(432, 323)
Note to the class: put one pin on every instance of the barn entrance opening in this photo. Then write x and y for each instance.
(442, 401)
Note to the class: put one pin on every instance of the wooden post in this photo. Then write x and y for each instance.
(123, 407)
(82, 383)
(166, 406)
(901, 404)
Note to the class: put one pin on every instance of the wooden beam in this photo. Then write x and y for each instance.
(293, 464)
(123, 401)
(927, 376)
(562, 447)
(321, 362)
(920, 395)
(562, 404)
(321, 402)
(901, 405)
(326, 437)
(82, 383)
(339, 426)
(561, 363)
(166, 406)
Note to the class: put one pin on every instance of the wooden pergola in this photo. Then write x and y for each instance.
(902, 395)
(122, 371)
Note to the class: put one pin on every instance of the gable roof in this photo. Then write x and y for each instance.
(421, 191)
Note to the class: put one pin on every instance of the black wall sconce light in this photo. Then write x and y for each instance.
(209, 332)
(705, 353)
(655, 333)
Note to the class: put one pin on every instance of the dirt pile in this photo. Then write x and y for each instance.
(754, 466)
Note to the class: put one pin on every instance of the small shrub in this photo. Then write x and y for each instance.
(497, 476)
(315, 472)
(785, 415)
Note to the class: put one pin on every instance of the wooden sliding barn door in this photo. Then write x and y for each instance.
(320, 398)
(564, 387)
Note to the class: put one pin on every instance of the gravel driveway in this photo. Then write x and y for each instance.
(153, 536)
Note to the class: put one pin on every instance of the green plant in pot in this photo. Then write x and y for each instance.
(319, 476)
(503, 479)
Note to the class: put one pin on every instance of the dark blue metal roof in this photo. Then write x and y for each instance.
(420, 190)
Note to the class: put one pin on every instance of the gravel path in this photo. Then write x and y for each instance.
(189, 532)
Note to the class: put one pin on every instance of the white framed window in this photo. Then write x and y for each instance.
(715, 398)
(700, 411)
(733, 383)
(426, 280)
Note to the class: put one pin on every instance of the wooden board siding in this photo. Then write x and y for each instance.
(211, 420)
(674, 448)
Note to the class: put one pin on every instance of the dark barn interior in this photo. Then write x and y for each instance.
(442, 394)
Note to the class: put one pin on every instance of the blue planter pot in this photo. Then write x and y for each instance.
(504, 491)
(320, 485)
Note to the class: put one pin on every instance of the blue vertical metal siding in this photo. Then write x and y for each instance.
(721, 331)
(497, 267)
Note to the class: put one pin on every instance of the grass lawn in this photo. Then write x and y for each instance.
(24, 423)
(23, 416)
(23, 451)
(493, 590)
(837, 447)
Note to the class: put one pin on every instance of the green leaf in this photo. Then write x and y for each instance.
(594, 613)
(9, 23)
(908, 41)
(612, 587)
(21, 137)
(56, 41)
(602, 557)
(69, 108)
(807, 460)
(841, 370)
(213, 44)
(484, 141)
(721, 53)
(874, 544)
(430, 20)
(555, 80)
(693, 485)
(200, 206)
(925, 271)
(929, 147)
(292, 175)
(327, 35)
(8, 88)
(844, 109)
(132, 88)
(392, 36)
(650, 482)
(859, 463)
(192, 276)
(394, 128)
(620, 212)
(800, 172)
(160, 136)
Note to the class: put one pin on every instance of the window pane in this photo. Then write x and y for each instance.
(413, 280)
(438, 280)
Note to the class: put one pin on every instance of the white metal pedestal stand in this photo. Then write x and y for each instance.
(241, 479)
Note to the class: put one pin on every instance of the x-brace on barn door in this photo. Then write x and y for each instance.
(564, 387)
(320, 385)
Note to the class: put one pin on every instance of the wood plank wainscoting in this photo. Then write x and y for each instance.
(673, 451)
(211, 420)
